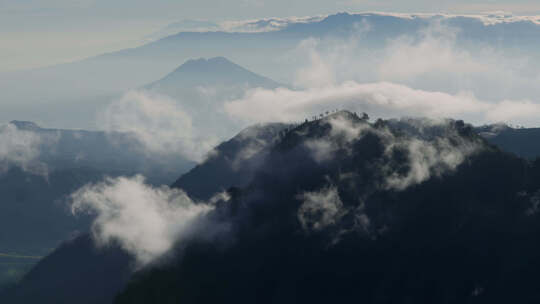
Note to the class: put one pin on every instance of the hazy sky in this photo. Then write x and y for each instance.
(39, 33)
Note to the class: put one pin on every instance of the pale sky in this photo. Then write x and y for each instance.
(36, 33)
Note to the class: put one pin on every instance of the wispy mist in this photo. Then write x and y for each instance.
(21, 148)
(147, 221)
(158, 122)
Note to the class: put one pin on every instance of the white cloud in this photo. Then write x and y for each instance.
(320, 209)
(21, 148)
(426, 153)
(231, 26)
(435, 52)
(427, 159)
(343, 131)
(381, 99)
(432, 58)
(319, 71)
(266, 24)
(158, 122)
(321, 150)
(329, 60)
(147, 221)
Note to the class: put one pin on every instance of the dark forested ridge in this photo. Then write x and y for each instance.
(333, 210)
(233, 163)
(340, 228)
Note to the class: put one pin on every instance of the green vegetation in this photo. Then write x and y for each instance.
(14, 266)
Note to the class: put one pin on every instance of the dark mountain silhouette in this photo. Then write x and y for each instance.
(341, 209)
(233, 163)
(82, 274)
(317, 231)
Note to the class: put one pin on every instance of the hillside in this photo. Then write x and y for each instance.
(323, 223)
(341, 209)
(233, 163)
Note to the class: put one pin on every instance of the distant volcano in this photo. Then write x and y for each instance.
(217, 71)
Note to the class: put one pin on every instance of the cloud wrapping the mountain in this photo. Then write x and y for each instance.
(158, 122)
(382, 99)
(21, 148)
(254, 140)
(320, 209)
(425, 155)
(343, 131)
(427, 159)
(145, 220)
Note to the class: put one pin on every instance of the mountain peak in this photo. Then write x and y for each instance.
(214, 72)
(24, 125)
(200, 62)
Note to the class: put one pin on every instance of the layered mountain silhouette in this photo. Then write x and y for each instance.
(343, 209)
(72, 158)
(523, 142)
(112, 153)
(314, 227)
(35, 216)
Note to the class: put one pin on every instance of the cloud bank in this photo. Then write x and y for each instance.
(145, 220)
(158, 122)
(383, 99)
(280, 23)
(433, 57)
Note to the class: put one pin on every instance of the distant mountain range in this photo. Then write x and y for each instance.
(523, 142)
(83, 85)
(111, 153)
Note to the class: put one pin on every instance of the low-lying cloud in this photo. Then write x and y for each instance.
(320, 209)
(147, 221)
(21, 148)
(159, 124)
(382, 99)
(427, 159)
(431, 58)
